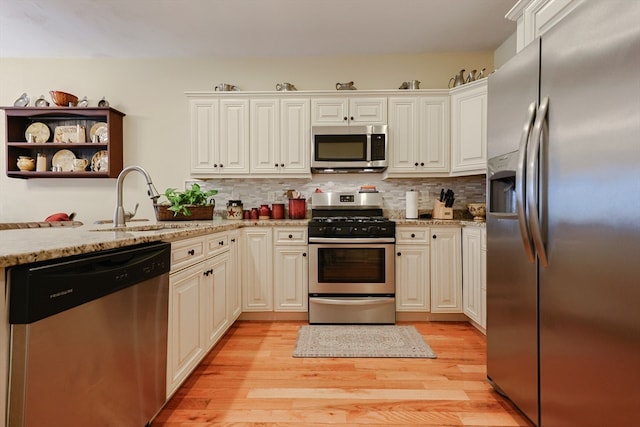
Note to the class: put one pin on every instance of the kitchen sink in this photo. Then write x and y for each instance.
(149, 227)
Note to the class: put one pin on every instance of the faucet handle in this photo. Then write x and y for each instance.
(129, 215)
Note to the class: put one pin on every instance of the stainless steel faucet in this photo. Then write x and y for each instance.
(119, 217)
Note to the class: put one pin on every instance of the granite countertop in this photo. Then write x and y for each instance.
(28, 245)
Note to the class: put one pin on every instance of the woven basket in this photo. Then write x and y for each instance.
(198, 213)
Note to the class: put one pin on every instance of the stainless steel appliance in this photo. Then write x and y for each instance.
(349, 148)
(89, 339)
(351, 260)
(563, 278)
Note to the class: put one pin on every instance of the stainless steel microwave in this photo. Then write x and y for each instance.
(349, 148)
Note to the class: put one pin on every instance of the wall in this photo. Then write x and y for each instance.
(151, 93)
(505, 51)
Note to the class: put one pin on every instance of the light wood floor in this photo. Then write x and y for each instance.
(251, 379)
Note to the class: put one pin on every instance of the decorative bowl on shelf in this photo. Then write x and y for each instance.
(478, 210)
(63, 99)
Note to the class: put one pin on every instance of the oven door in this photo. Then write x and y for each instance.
(358, 267)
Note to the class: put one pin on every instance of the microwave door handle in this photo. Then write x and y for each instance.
(368, 155)
(533, 163)
(521, 183)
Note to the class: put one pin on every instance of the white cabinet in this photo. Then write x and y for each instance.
(280, 136)
(483, 277)
(412, 269)
(345, 111)
(472, 274)
(291, 269)
(419, 136)
(446, 270)
(219, 136)
(257, 269)
(234, 294)
(536, 17)
(469, 128)
(201, 302)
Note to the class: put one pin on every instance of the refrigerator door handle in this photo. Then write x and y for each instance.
(533, 155)
(521, 183)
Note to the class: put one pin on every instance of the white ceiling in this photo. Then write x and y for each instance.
(217, 28)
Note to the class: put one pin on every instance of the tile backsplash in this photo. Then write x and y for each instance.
(254, 192)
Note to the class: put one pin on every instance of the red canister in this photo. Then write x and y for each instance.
(264, 212)
(297, 208)
(254, 213)
(277, 211)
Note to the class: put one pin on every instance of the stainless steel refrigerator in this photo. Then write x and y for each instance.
(563, 221)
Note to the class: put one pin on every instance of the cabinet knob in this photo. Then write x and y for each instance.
(434, 236)
(304, 254)
(275, 164)
(191, 252)
(281, 165)
(221, 165)
(421, 163)
(413, 235)
(351, 118)
(399, 253)
(215, 165)
(415, 164)
(221, 242)
(291, 236)
(233, 240)
(344, 118)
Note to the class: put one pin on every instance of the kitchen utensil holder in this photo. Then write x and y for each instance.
(440, 212)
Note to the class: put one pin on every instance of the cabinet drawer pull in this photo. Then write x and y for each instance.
(290, 236)
(434, 236)
(221, 242)
(304, 254)
(191, 252)
(399, 253)
(413, 235)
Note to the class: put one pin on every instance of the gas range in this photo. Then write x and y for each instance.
(349, 215)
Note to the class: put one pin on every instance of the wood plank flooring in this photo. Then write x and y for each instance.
(251, 379)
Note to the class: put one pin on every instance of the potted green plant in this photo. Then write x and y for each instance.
(191, 204)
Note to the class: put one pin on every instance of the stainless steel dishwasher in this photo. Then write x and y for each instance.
(89, 339)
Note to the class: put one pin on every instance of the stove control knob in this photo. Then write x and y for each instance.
(374, 229)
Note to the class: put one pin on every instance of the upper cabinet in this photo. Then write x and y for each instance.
(66, 142)
(279, 136)
(469, 128)
(536, 17)
(219, 136)
(418, 136)
(345, 111)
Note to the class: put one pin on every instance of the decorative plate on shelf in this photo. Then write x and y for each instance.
(101, 130)
(64, 159)
(70, 134)
(100, 161)
(39, 130)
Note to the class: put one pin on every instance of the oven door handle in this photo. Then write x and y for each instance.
(359, 301)
(352, 239)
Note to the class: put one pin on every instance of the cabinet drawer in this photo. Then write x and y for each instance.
(294, 235)
(408, 235)
(187, 252)
(217, 243)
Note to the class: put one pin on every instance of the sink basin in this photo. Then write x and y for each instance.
(149, 227)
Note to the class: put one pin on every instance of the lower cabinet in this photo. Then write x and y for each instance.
(446, 270)
(291, 269)
(203, 303)
(257, 269)
(474, 256)
(412, 269)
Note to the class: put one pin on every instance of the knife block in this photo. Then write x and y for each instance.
(440, 212)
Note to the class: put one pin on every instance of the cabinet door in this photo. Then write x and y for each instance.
(404, 145)
(483, 278)
(330, 111)
(185, 332)
(234, 136)
(446, 269)
(471, 274)
(265, 136)
(216, 318)
(412, 278)
(291, 278)
(234, 291)
(257, 271)
(204, 135)
(469, 129)
(434, 133)
(366, 111)
(295, 136)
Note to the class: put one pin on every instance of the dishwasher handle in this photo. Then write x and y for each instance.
(46, 288)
